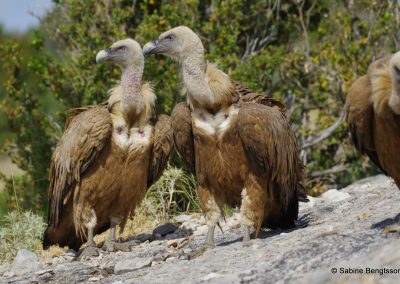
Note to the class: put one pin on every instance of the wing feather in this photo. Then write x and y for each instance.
(162, 148)
(247, 95)
(183, 135)
(271, 147)
(83, 139)
(359, 117)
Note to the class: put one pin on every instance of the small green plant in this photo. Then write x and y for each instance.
(173, 193)
(20, 230)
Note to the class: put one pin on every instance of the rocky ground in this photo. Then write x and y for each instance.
(338, 235)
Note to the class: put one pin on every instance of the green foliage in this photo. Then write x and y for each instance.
(173, 193)
(31, 150)
(20, 230)
(305, 52)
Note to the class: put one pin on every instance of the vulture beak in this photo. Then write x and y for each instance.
(154, 47)
(103, 55)
(396, 72)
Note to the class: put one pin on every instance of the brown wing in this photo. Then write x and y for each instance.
(271, 148)
(359, 116)
(183, 135)
(79, 146)
(247, 95)
(163, 142)
(240, 89)
(75, 111)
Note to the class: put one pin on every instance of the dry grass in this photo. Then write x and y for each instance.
(20, 230)
(51, 252)
(173, 194)
(142, 221)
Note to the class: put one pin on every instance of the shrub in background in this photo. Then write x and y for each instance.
(305, 52)
(173, 193)
(20, 230)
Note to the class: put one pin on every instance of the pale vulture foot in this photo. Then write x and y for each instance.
(210, 243)
(88, 252)
(108, 246)
(246, 235)
(200, 251)
(116, 246)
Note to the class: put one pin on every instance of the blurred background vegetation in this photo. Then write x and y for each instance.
(304, 52)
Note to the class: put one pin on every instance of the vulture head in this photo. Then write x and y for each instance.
(178, 43)
(394, 65)
(126, 52)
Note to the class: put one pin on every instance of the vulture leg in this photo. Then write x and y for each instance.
(212, 209)
(90, 241)
(111, 244)
(252, 207)
(91, 249)
(246, 234)
(210, 237)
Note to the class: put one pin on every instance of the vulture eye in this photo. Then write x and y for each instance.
(121, 48)
(170, 37)
(397, 70)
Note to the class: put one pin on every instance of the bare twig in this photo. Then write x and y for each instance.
(15, 193)
(334, 170)
(304, 27)
(324, 134)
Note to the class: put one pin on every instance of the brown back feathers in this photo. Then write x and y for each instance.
(374, 126)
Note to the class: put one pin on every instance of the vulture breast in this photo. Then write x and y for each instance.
(374, 127)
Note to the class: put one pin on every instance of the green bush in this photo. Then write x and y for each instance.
(20, 230)
(304, 52)
(173, 193)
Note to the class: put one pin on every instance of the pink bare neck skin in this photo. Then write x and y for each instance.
(131, 83)
(194, 77)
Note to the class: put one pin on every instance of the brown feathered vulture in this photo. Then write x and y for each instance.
(238, 143)
(107, 157)
(373, 114)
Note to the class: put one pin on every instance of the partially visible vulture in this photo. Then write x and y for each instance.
(373, 114)
(238, 143)
(107, 158)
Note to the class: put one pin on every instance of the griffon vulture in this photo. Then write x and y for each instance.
(373, 114)
(107, 158)
(238, 143)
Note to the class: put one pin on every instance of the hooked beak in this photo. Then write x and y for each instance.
(103, 55)
(154, 47)
(396, 72)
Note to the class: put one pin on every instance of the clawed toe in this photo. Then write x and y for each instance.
(122, 246)
(108, 246)
(88, 252)
(200, 251)
(111, 246)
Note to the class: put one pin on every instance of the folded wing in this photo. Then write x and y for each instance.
(183, 135)
(83, 139)
(163, 144)
(271, 147)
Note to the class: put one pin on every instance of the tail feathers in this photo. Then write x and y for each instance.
(303, 198)
(277, 215)
(61, 237)
(46, 239)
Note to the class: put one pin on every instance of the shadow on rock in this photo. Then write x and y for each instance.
(387, 222)
(265, 233)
